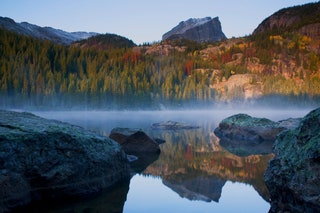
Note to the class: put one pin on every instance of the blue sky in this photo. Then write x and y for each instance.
(142, 20)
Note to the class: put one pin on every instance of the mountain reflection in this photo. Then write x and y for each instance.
(194, 165)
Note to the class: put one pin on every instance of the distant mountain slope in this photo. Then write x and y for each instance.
(304, 19)
(46, 33)
(106, 41)
(201, 30)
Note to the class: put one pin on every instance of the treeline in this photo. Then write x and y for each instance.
(103, 74)
(43, 74)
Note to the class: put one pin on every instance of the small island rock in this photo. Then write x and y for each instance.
(134, 141)
(172, 125)
(246, 128)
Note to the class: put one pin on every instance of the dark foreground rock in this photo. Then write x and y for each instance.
(293, 175)
(172, 125)
(247, 128)
(44, 159)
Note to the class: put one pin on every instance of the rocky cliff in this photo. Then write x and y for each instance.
(303, 19)
(292, 177)
(201, 30)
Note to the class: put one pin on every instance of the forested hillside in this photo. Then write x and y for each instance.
(40, 73)
(101, 74)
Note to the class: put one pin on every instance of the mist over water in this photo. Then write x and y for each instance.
(142, 119)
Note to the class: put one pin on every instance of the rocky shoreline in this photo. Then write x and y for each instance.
(292, 176)
(44, 159)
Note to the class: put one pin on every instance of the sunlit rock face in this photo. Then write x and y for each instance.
(201, 30)
(44, 159)
(302, 19)
(292, 177)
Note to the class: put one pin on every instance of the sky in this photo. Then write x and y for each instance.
(142, 20)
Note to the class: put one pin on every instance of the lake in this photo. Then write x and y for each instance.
(193, 173)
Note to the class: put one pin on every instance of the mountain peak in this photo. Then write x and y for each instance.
(197, 29)
(45, 33)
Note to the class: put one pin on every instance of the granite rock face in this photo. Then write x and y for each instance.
(292, 176)
(201, 30)
(45, 159)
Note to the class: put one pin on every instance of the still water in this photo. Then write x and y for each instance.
(193, 173)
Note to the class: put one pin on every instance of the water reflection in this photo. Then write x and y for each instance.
(193, 164)
(196, 166)
(111, 201)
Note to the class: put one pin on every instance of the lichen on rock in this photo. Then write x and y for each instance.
(292, 176)
(47, 159)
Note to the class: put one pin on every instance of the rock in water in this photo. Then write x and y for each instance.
(134, 142)
(172, 125)
(247, 128)
(141, 149)
(46, 159)
(293, 175)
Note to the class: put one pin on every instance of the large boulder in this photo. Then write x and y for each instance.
(292, 176)
(46, 159)
(246, 128)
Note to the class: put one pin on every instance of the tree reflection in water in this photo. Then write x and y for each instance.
(195, 165)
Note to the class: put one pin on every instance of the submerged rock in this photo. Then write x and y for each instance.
(45, 159)
(292, 176)
(172, 125)
(246, 148)
(246, 128)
